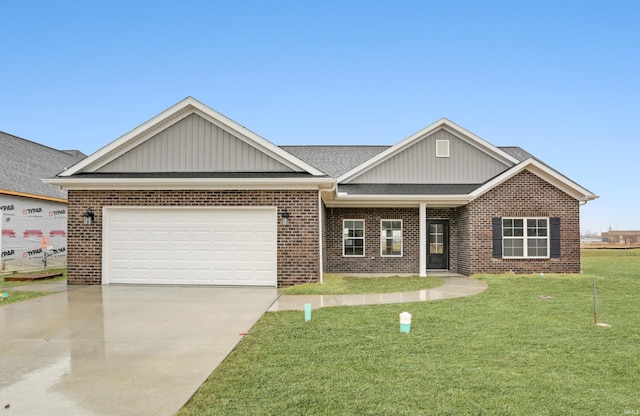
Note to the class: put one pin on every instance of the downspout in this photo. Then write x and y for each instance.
(423, 239)
(321, 223)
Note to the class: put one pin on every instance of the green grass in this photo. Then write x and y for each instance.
(506, 351)
(348, 285)
(20, 295)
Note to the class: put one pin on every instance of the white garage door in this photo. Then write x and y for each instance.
(190, 246)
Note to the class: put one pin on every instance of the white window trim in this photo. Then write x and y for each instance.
(364, 241)
(385, 238)
(525, 237)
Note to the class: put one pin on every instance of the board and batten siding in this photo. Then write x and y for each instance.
(419, 164)
(194, 145)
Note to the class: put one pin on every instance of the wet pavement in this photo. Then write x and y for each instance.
(119, 350)
(45, 287)
(455, 286)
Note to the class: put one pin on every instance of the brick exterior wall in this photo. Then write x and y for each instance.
(470, 232)
(298, 243)
(372, 262)
(524, 195)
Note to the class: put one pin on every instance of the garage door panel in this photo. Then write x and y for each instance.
(159, 255)
(159, 235)
(217, 246)
(139, 252)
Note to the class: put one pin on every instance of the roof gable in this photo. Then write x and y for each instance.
(152, 146)
(194, 144)
(413, 160)
(450, 195)
(544, 172)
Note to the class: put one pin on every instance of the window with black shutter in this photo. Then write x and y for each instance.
(526, 237)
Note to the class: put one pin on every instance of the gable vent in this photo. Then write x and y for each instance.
(442, 148)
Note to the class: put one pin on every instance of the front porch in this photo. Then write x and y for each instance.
(359, 242)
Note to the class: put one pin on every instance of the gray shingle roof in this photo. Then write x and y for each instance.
(23, 163)
(334, 160)
(337, 160)
(517, 152)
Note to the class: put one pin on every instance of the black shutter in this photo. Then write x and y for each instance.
(497, 237)
(554, 235)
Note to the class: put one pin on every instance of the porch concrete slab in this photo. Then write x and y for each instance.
(119, 350)
(455, 286)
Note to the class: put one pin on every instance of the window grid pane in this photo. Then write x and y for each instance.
(518, 241)
(391, 238)
(436, 239)
(353, 238)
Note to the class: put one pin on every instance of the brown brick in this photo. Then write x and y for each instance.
(298, 243)
(470, 232)
(524, 195)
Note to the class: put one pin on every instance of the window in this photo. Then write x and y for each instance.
(436, 238)
(391, 238)
(353, 238)
(525, 237)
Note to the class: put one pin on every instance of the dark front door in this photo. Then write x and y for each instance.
(438, 244)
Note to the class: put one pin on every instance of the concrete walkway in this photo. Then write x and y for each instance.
(455, 286)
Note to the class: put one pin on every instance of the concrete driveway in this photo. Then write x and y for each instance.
(119, 350)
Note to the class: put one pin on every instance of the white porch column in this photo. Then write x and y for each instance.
(423, 239)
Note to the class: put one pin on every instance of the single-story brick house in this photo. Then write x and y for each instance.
(192, 197)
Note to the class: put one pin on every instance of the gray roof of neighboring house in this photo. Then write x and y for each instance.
(23, 163)
(334, 160)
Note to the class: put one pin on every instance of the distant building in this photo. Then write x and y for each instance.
(625, 237)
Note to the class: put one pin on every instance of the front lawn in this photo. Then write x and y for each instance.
(348, 285)
(526, 346)
(20, 295)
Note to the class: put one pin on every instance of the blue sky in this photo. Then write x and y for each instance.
(560, 79)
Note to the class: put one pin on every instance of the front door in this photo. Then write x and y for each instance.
(438, 244)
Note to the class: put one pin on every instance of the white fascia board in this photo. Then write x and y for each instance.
(172, 115)
(192, 183)
(544, 172)
(393, 204)
(443, 123)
